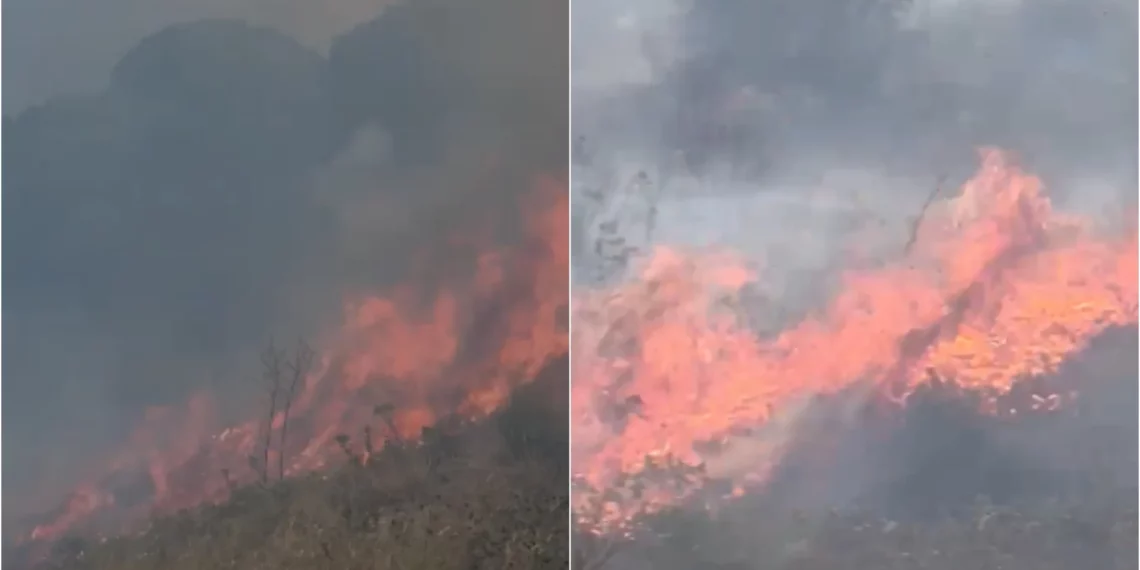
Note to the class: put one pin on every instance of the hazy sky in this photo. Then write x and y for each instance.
(59, 47)
(178, 200)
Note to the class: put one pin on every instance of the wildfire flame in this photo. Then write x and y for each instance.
(998, 287)
(461, 354)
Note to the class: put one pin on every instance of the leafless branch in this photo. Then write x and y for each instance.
(271, 371)
(298, 368)
(922, 214)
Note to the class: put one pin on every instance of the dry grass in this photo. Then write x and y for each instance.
(986, 538)
(409, 509)
(489, 495)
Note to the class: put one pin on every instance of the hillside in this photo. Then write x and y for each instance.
(488, 494)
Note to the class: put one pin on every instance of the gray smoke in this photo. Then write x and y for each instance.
(223, 182)
(778, 128)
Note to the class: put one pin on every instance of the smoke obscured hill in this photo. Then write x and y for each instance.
(230, 184)
(150, 228)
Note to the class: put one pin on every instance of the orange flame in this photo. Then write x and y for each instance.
(461, 354)
(998, 287)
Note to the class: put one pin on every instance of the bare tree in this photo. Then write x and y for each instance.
(297, 368)
(283, 373)
(272, 371)
(917, 223)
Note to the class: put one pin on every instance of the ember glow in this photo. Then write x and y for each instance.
(997, 286)
(462, 352)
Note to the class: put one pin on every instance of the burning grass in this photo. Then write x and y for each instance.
(412, 359)
(995, 285)
(936, 485)
(992, 355)
(491, 494)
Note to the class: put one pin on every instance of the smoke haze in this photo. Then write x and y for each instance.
(60, 48)
(816, 116)
(778, 129)
(177, 195)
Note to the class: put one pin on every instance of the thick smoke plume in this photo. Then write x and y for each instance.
(39, 66)
(230, 184)
(874, 80)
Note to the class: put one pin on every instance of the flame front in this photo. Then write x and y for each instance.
(997, 287)
(461, 353)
